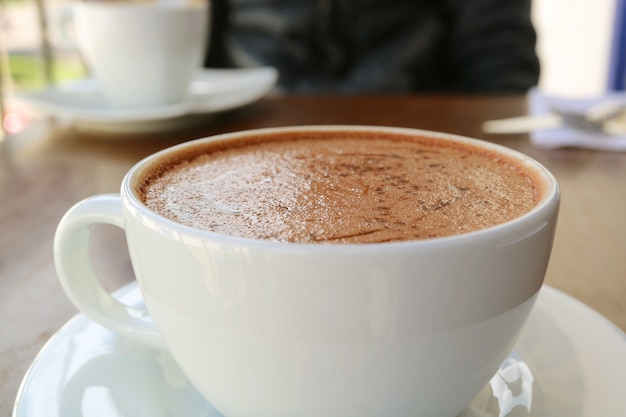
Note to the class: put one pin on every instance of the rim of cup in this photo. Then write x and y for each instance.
(531, 220)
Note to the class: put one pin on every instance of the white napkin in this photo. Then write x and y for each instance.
(564, 136)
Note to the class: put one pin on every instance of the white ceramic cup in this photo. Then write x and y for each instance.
(142, 54)
(270, 329)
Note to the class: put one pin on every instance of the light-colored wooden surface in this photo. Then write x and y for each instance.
(48, 167)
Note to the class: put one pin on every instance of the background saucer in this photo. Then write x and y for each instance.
(210, 91)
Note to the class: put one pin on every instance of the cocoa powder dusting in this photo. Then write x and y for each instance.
(342, 190)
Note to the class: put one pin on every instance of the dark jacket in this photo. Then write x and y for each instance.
(391, 46)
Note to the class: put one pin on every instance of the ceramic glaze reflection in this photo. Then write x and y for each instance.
(127, 385)
(508, 394)
(98, 374)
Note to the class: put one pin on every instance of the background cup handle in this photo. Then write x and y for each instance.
(75, 270)
(64, 24)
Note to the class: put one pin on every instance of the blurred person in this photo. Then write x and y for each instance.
(380, 46)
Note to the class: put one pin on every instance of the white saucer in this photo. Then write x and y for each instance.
(569, 361)
(210, 91)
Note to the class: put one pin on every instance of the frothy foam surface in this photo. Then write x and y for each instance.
(341, 189)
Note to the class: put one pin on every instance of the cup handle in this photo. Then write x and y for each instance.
(76, 274)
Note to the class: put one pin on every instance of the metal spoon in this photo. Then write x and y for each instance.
(607, 118)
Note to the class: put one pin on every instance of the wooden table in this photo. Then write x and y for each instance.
(49, 166)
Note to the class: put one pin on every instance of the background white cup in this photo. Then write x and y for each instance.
(142, 54)
(271, 329)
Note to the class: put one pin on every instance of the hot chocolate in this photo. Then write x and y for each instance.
(340, 187)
